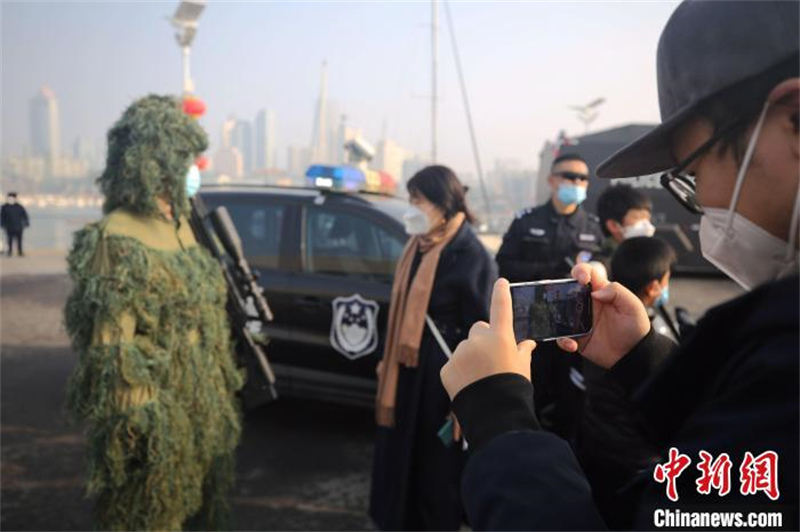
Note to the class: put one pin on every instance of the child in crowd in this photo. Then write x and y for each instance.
(611, 446)
(624, 213)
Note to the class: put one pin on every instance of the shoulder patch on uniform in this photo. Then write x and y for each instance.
(522, 212)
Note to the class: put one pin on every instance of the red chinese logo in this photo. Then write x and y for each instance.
(756, 474)
(760, 473)
(716, 474)
(670, 472)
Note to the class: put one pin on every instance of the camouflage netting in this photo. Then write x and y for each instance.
(150, 150)
(156, 378)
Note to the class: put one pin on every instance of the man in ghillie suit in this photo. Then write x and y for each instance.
(156, 379)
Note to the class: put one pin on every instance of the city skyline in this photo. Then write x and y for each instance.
(525, 64)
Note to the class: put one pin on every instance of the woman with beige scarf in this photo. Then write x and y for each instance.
(447, 274)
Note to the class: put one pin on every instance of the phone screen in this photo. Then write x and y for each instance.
(551, 309)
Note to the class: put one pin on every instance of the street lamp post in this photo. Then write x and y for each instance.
(587, 113)
(185, 22)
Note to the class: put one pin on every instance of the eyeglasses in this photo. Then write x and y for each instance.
(682, 184)
(572, 176)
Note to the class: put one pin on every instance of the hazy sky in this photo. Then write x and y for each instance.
(525, 63)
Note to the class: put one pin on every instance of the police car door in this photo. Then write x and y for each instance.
(265, 225)
(343, 295)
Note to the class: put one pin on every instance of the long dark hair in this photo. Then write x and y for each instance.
(439, 185)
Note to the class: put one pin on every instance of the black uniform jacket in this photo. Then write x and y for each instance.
(732, 387)
(416, 479)
(13, 218)
(543, 244)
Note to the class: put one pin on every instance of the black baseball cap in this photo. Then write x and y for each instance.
(706, 47)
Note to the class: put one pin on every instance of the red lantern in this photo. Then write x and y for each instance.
(194, 106)
(202, 163)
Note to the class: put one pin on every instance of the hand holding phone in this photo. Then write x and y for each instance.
(619, 319)
(490, 348)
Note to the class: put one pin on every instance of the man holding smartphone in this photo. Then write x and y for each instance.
(729, 147)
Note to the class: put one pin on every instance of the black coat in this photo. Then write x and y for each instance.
(543, 244)
(611, 446)
(415, 478)
(13, 218)
(732, 387)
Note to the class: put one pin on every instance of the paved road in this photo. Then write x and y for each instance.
(301, 465)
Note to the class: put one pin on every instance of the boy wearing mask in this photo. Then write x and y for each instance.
(624, 213)
(612, 448)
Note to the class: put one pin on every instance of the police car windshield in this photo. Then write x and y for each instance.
(394, 207)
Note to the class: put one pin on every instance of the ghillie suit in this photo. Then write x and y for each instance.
(156, 378)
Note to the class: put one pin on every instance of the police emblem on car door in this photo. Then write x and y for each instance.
(354, 329)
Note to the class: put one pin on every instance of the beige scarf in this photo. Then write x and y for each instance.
(407, 311)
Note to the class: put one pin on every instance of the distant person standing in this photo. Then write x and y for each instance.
(14, 219)
(545, 242)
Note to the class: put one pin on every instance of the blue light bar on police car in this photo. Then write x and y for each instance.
(343, 177)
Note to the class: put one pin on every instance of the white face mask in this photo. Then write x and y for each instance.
(12, 201)
(741, 249)
(416, 221)
(640, 228)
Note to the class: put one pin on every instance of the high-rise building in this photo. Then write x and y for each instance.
(84, 149)
(335, 149)
(227, 131)
(320, 135)
(228, 162)
(242, 139)
(45, 125)
(297, 160)
(510, 183)
(390, 157)
(265, 140)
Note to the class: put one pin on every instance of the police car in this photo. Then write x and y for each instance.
(325, 259)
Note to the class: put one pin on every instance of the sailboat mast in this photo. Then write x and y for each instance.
(468, 110)
(434, 76)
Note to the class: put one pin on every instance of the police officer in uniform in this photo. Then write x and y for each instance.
(545, 242)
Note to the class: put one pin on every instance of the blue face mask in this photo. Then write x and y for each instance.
(571, 194)
(663, 299)
(192, 181)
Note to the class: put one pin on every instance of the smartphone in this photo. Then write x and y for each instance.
(546, 310)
